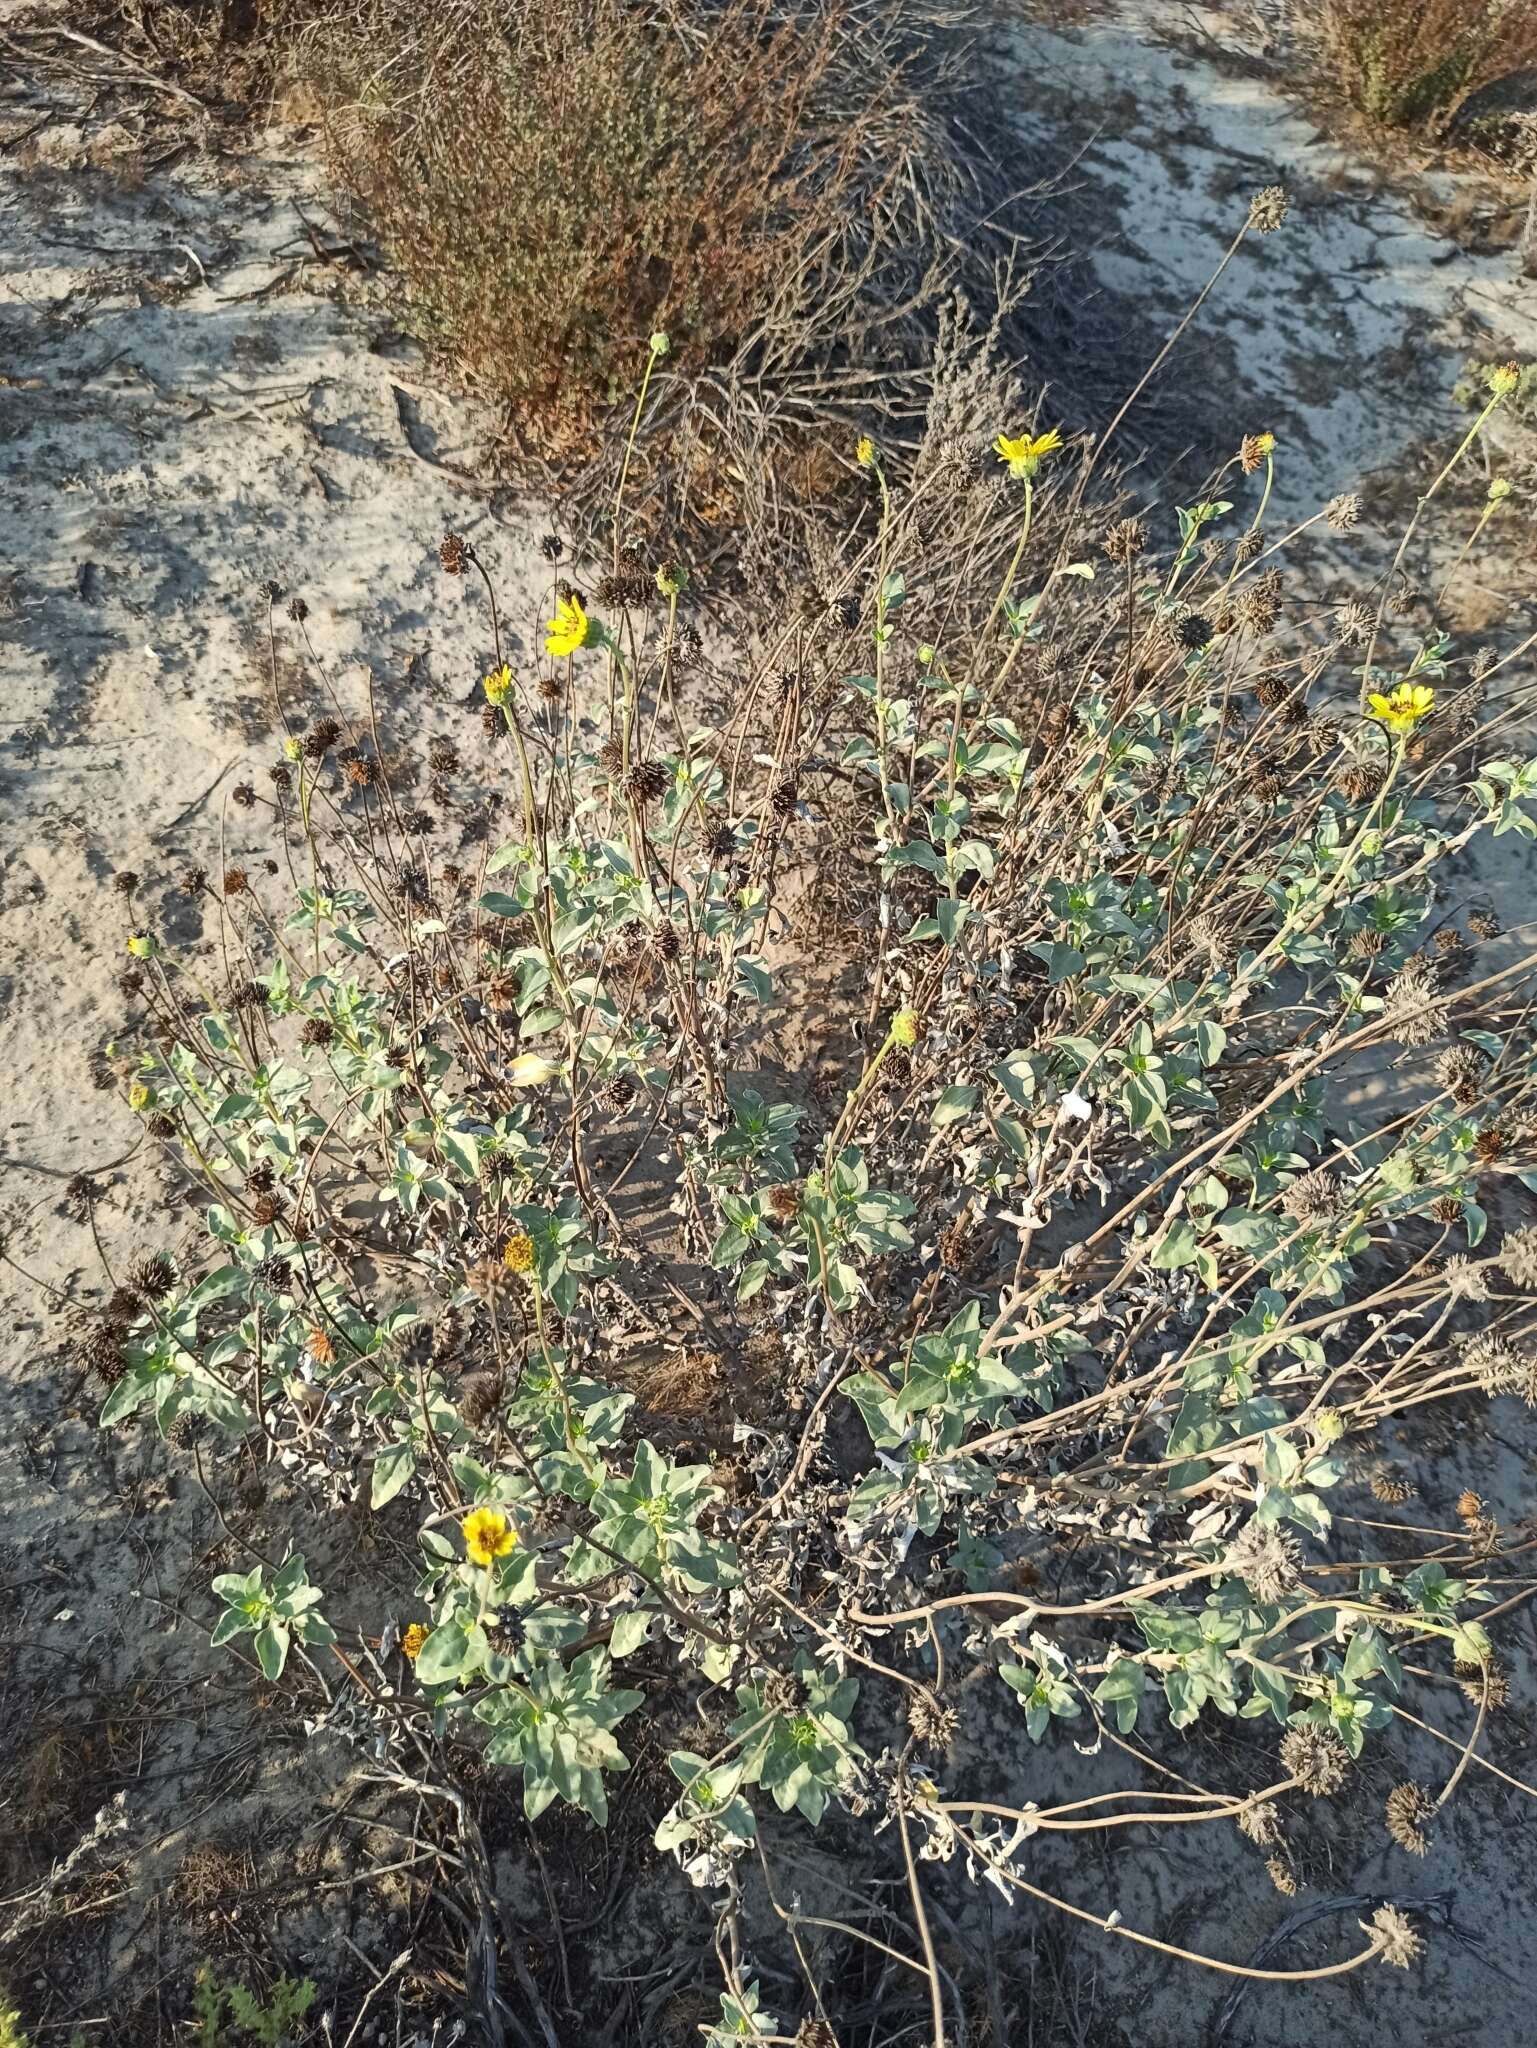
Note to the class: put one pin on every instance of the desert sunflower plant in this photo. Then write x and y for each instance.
(856, 1208)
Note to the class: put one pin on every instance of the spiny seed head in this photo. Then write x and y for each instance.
(1499, 1688)
(160, 1125)
(1354, 621)
(235, 881)
(784, 797)
(1343, 513)
(153, 1277)
(1389, 1486)
(1494, 1362)
(321, 738)
(646, 782)
(267, 1208)
(1261, 1822)
(1517, 1258)
(479, 1399)
(442, 755)
(1280, 1875)
(1195, 631)
(1400, 1945)
(1215, 936)
(815, 2033)
(454, 553)
(1484, 924)
(1249, 546)
(1315, 1759)
(1267, 209)
(298, 610)
(1408, 1004)
(933, 1725)
(666, 943)
(193, 881)
(1313, 1197)
(317, 1031)
(274, 1275)
(243, 794)
(1253, 450)
(784, 1200)
(262, 1178)
(1125, 541)
(1409, 1809)
(1266, 1558)
(358, 771)
(1464, 1279)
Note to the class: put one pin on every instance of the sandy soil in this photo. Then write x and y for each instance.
(202, 390)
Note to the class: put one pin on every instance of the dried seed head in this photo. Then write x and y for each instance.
(1249, 546)
(1360, 782)
(1517, 1258)
(298, 610)
(1315, 1759)
(125, 881)
(784, 1200)
(1261, 1823)
(1344, 512)
(160, 1125)
(1499, 1688)
(153, 1277)
(235, 881)
(1313, 1197)
(1410, 1808)
(1267, 209)
(1484, 924)
(934, 1727)
(1252, 451)
(1400, 1945)
(815, 2033)
(1258, 604)
(1409, 1010)
(267, 1209)
(1354, 622)
(1266, 1558)
(1464, 1279)
(784, 797)
(317, 1031)
(274, 1275)
(665, 942)
(1281, 1877)
(1195, 631)
(1125, 541)
(646, 782)
(244, 795)
(358, 771)
(1216, 936)
(262, 1178)
(1389, 1486)
(627, 586)
(479, 1399)
(454, 553)
(1494, 1362)
(321, 738)
(552, 547)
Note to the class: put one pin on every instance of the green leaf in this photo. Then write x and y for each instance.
(272, 1650)
(392, 1468)
(442, 1658)
(957, 1102)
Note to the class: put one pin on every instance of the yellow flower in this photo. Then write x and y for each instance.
(411, 1642)
(568, 629)
(864, 453)
(1404, 709)
(142, 945)
(140, 1097)
(518, 1253)
(487, 1535)
(498, 685)
(1504, 378)
(905, 1027)
(1023, 452)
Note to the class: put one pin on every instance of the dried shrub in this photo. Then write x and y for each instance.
(1410, 62)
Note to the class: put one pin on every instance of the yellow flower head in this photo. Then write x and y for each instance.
(1404, 709)
(411, 1642)
(142, 945)
(141, 1097)
(1499, 489)
(518, 1253)
(1023, 453)
(1505, 378)
(487, 1535)
(864, 452)
(498, 685)
(569, 628)
(905, 1027)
